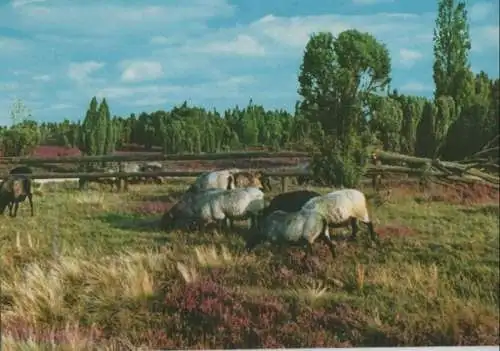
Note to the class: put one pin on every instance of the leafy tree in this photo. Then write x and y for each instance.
(451, 51)
(24, 134)
(386, 121)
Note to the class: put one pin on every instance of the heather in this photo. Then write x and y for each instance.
(92, 270)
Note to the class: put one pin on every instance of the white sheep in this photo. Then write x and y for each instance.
(221, 179)
(304, 226)
(218, 205)
(341, 208)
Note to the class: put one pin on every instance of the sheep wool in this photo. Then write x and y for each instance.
(215, 205)
(214, 180)
(237, 203)
(294, 226)
(339, 206)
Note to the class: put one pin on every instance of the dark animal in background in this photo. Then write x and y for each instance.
(13, 190)
(289, 202)
(21, 170)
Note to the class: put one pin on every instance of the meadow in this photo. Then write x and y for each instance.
(92, 270)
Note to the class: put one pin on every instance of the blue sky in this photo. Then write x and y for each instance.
(150, 55)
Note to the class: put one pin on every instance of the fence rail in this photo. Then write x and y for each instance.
(371, 171)
(149, 157)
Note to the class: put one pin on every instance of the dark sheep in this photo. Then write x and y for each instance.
(21, 170)
(289, 202)
(13, 190)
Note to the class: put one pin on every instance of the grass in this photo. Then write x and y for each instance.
(91, 270)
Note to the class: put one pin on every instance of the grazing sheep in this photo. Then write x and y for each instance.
(289, 202)
(303, 226)
(217, 205)
(341, 208)
(214, 180)
(13, 190)
(178, 215)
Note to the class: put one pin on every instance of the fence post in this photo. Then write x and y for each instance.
(376, 177)
(284, 184)
(119, 184)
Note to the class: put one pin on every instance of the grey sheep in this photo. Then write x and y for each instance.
(304, 226)
(219, 206)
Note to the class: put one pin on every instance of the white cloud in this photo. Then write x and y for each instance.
(17, 3)
(407, 58)
(243, 45)
(42, 77)
(137, 71)
(393, 28)
(480, 11)
(415, 87)
(75, 17)
(81, 71)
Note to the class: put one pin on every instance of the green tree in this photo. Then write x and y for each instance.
(337, 77)
(88, 140)
(24, 135)
(451, 51)
(387, 117)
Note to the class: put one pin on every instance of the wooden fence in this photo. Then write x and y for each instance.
(373, 170)
(122, 177)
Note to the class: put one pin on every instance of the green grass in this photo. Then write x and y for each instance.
(85, 269)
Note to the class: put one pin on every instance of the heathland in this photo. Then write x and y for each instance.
(92, 268)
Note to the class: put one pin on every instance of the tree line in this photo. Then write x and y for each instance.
(346, 103)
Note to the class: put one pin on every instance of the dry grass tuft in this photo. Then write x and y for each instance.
(38, 291)
(188, 273)
(89, 198)
(311, 291)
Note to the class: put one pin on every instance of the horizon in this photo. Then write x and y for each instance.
(210, 53)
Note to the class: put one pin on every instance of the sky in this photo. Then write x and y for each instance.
(153, 54)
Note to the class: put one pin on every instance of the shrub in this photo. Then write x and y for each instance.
(335, 165)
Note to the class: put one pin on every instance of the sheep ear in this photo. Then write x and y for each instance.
(258, 174)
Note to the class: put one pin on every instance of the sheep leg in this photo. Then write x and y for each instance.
(30, 200)
(373, 235)
(309, 251)
(354, 226)
(229, 223)
(16, 207)
(328, 240)
(253, 242)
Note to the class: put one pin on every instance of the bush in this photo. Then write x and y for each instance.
(20, 140)
(332, 164)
